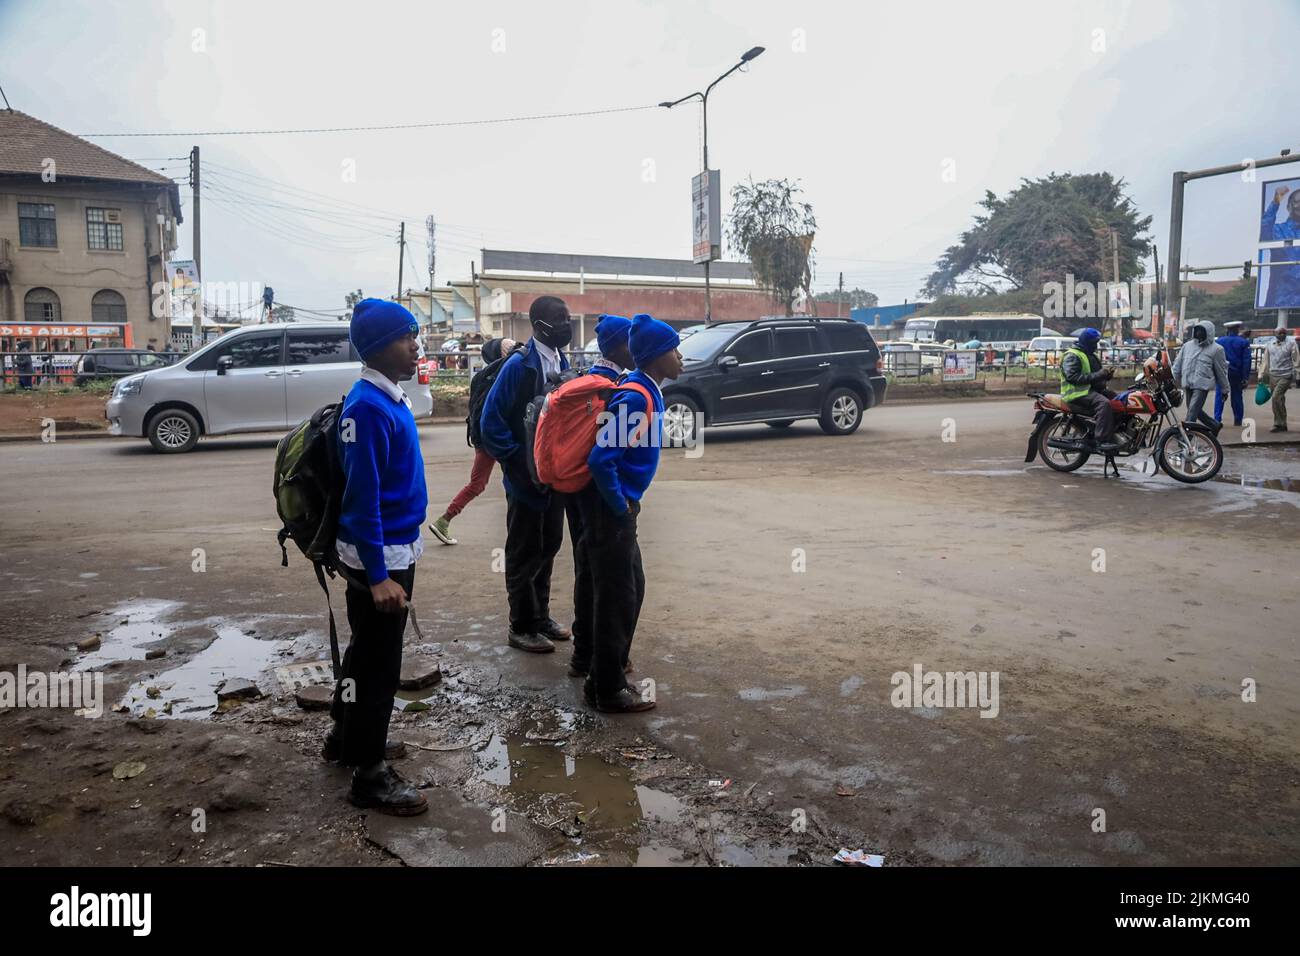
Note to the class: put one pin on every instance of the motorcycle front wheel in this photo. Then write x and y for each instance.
(1058, 459)
(1193, 461)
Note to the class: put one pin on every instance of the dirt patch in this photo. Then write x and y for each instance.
(22, 412)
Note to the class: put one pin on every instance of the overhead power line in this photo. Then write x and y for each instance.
(375, 129)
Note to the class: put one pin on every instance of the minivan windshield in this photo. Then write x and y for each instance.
(703, 345)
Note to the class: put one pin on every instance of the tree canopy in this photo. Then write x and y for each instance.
(1041, 231)
(773, 228)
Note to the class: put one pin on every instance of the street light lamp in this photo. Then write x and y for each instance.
(746, 57)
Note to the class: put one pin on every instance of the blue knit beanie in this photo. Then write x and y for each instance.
(650, 339)
(611, 332)
(376, 323)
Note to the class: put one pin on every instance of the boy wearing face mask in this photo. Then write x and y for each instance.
(534, 519)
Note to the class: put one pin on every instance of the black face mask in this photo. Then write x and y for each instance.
(553, 336)
(1199, 334)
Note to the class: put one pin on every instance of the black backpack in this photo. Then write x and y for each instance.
(479, 386)
(308, 488)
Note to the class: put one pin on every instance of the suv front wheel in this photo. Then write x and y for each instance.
(173, 430)
(681, 418)
(841, 412)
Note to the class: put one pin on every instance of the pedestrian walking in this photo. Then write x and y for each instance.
(1279, 368)
(492, 353)
(622, 471)
(1236, 348)
(1201, 364)
(534, 517)
(384, 501)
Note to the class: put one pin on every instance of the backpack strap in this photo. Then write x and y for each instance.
(334, 633)
(625, 385)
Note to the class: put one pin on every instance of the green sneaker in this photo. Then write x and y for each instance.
(442, 531)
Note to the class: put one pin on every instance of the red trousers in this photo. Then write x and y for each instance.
(478, 479)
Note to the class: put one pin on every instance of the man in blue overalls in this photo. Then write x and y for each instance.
(1236, 347)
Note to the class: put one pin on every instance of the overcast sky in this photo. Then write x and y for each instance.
(864, 103)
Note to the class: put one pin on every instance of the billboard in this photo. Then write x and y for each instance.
(959, 366)
(1279, 218)
(706, 216)
(1278, 286)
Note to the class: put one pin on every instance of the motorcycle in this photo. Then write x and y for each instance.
(1144, 421)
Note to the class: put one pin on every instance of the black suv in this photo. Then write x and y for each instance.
(115, 363)
(775, 371)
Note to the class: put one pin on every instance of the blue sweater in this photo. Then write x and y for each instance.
(502, 424)
(621, 472)
(384, 499)
(1237, 350)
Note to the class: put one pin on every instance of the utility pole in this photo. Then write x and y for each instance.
(432, 226)
(839, 298)
(195, 187)
(401, 258)
(473, 274)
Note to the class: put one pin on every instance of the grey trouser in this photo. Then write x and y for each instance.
(1279, 384)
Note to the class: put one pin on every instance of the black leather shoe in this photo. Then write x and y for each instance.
(533, 643)
(387, 792)
(554, 631)
(332, 752)
(589, 693)
(626, 701)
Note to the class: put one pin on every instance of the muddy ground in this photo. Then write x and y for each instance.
(790, 575)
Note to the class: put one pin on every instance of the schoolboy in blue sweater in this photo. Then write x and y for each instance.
(621, 471)
(384, 502)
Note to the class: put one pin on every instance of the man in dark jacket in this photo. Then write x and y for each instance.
(1083, 385)
(534, 518)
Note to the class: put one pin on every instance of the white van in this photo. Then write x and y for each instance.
(1047, 349)
(256, 378)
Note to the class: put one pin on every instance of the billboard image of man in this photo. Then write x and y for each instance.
(1279, 286)
(1270, 230)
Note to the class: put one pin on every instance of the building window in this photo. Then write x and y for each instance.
(108, 306)
(42, 305)
(36, 225)
(104, 228)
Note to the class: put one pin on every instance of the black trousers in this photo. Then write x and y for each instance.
(1095, 403)
(372, 664)
(533, 538)
(583, 593)
(618, 584)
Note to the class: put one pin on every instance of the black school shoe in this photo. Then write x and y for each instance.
(626, 701)
(554, 630)
(533, 643)
(386, 792)
(332, 752)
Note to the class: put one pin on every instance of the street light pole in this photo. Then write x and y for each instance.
(704, 100)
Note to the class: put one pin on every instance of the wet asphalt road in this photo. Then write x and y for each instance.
(790, 576)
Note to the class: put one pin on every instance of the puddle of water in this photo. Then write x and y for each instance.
(191, 688)
(137, 625)
(1272, 484)
(593, 802)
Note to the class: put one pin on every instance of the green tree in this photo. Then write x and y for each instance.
(852, 298)
(772, 227)
(282, 313)
(352, 298)
(1041, 231)
(1235, 305)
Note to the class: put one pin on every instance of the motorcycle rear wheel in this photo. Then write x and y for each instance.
(1192, 462)
(1056, 458)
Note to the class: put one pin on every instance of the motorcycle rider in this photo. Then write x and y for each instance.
(1083, 385)
(1201, 364)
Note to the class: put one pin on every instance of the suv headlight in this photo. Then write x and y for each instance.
(128, 386)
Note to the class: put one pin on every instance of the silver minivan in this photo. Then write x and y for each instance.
(257, 378)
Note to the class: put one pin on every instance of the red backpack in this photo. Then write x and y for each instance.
(567, 428)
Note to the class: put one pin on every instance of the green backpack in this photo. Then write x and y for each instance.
(308, 488)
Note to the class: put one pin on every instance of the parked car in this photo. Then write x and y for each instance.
(256, 378)
(115, 363)
(775, 371)
(1047, 349)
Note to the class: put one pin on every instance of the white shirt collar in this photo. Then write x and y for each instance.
(386, 384)
(607, 363)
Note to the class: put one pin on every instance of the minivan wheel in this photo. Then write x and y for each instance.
(681, 414)
(173, 430)
(841, 413)
(783, 423)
